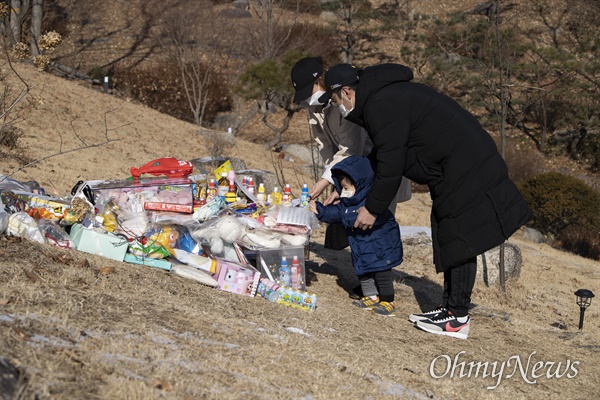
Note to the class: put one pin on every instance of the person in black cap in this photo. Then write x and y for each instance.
(336, 138)
(426, 136)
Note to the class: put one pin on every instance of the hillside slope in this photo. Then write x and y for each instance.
(58, 116)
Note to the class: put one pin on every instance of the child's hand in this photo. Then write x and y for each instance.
(313, 206)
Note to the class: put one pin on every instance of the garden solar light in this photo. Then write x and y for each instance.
(584, 299)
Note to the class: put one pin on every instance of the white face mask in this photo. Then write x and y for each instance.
(347, 193)
(314, 99)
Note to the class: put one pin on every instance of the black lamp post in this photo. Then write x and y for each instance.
(584, 299)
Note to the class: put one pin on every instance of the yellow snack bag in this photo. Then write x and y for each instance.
(225, 167)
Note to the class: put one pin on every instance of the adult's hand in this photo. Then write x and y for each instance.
(318, 188)
(333, 197)
(365, 219)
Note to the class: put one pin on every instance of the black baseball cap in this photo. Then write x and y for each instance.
(304, 74)
(337, 76)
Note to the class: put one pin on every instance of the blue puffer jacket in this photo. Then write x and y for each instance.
(375, 249)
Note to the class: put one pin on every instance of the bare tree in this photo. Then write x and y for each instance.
(197, 41)
(18, 9)
(275, 27)
(353, 33)
(36, 26)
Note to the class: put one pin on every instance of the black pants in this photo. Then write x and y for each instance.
(384, 280)
(458, 286)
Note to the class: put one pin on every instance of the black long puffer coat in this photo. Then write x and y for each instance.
(429, 138)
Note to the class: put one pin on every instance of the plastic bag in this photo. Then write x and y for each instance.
(3, 217)
(22, 225)
(3, 220)
(54, 234)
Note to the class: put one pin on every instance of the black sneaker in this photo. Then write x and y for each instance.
(445, 324)
(426, 315)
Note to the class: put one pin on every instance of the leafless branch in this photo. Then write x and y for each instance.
(58, 154)
(23, 93)
(61, 152)
(75, 131)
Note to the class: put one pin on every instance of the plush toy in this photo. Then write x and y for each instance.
(167, 237)
(157, 243)
(226, 229)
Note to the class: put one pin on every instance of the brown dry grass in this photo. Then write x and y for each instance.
(84, 327)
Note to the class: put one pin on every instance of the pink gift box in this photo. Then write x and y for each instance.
(237, 278)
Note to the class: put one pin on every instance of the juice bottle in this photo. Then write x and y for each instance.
(223, 185)
(275, 196)
(231, 177)
(230, 196)
(286, 199)
(295, 274)
(250, 185)
(261, 197)
(212, 190)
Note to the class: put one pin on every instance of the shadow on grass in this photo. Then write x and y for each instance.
(428, 293)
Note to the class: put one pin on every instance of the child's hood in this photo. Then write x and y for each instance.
(361, 170)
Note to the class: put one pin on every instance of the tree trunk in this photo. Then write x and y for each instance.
(503, 114)
(15, 21)
(36, 26)
(278, 131)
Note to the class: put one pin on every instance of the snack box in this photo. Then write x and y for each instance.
(237, 278)
(154, 194)
(100, 243)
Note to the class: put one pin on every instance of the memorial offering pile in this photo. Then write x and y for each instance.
(210, 227)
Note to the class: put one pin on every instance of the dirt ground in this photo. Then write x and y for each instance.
(79, 326)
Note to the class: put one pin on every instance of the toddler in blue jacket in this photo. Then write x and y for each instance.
(374, 252)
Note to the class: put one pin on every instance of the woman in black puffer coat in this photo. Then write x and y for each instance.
(429, 138)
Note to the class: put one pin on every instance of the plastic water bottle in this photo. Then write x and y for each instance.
(304, 197)
(295, 273)
(284, 273)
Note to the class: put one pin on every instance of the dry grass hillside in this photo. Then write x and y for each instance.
(79, 326)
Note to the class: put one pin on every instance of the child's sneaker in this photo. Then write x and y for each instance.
(426, 315)
(446, 324)
(385, 309)
(366, 303)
